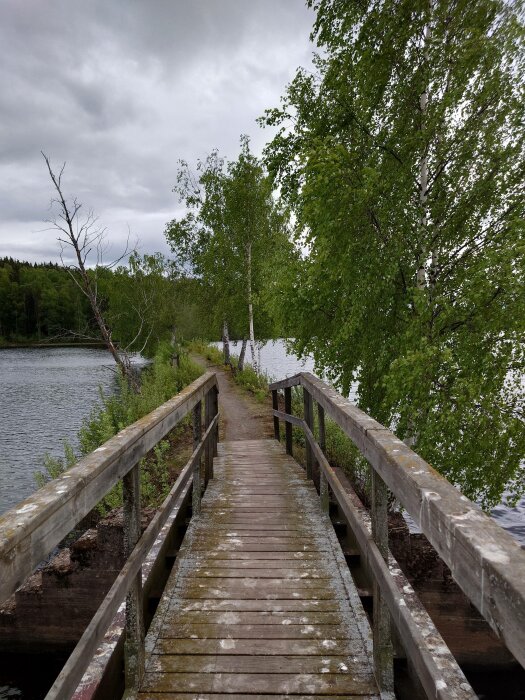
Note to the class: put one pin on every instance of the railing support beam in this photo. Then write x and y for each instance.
(383, 650)
(134, 644)
(288, 428)
(208, 453)
(197, 484)
(309, 420)
(323, 483)
(275, 406)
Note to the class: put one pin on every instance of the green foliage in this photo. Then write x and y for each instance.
(210, 352)
(232, 238)
(403, 160)
(143, 303)
(155, 472)
(340, 450)
(141, 300)
(254, 382)
(55, 466)
(39, 301)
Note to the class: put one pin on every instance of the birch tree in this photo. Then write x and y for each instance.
(402, 156)
(231, 232)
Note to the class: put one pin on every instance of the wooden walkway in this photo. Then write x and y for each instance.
(260, 602)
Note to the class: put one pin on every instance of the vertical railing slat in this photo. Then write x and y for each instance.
(323, 483)
(208, 450)
(275, 405)
(309, 420)
(215, 410)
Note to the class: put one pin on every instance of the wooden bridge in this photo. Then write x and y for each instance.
(260, 601)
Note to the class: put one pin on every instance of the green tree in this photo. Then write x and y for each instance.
(141, 302)
(403, 158)
(231, 232)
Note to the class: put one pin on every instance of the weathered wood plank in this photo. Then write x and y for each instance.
(197, 630)
(261, 664)
(254, 647)
(236, 696)
(258, 605)
(277, 605)
(244, 572)
(248, 683)
(258, 618)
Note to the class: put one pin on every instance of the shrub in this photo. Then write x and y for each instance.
(252, 381)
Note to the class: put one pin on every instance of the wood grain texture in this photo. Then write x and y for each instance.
(259, 603)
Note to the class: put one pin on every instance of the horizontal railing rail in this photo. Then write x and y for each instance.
(31, 530)
(484, 560)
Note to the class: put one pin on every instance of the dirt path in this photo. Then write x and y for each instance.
(242, 417)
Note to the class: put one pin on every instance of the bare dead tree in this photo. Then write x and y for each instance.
(83, 235)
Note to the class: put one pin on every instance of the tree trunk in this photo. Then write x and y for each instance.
(250, 305)
(421, 276)
(242, 355)
(226, 343)
(78, 236)
(175, 358)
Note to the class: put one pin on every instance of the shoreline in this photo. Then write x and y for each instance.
(29, 344)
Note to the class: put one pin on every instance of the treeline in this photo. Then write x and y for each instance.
(144, 301)
(39, 301)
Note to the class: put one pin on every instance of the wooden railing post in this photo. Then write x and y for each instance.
(197, 434)
(275, 405)
(215, 410)
(383, 651)
(323, 483)
(309, 420)
(288, 427)
(210, 411)
(134, 644)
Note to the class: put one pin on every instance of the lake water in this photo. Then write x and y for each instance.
(45, 395)
(277, 363)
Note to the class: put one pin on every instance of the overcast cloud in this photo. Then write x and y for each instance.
(121, 91)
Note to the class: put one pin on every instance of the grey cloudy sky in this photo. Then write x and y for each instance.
(121, 90)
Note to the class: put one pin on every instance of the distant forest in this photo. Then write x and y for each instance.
(40, 302)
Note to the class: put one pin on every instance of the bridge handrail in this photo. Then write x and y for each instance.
(32, 529)
(485, 561)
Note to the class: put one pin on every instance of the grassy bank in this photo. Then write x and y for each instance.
(159, 382)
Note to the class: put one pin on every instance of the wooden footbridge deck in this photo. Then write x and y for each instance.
(260, 602)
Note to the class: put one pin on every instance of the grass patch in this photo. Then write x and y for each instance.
(210, 352)
(254, 382)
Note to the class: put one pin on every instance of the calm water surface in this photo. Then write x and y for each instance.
(45, 395)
